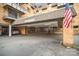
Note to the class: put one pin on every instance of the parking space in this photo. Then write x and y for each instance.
(34, 45)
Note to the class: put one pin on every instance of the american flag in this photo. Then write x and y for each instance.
(67, 16)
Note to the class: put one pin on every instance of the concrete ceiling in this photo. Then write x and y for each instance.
(43, 24)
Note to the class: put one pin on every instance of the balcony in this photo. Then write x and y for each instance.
(9, 17)
(18, 8)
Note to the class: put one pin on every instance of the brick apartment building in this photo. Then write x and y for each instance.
(10, 12)
(25, 18)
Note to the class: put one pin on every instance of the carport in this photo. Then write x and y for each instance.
(49, 19)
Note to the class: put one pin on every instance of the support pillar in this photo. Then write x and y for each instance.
(10, 32)
(68, 35)
(24, 30)
(0, 30)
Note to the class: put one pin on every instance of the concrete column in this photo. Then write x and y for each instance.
(68, 39)
(10, 32)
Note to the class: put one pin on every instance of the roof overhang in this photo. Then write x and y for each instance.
(54, 15)
(42, 24)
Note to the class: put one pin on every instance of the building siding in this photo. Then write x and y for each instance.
(2, 13)
(76, 19)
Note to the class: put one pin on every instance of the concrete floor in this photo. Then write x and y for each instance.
(34, 45)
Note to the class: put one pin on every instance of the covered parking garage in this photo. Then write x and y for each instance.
(49, 20)
(40, 23)
(36, 44)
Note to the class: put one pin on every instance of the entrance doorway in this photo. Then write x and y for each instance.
(5, 30)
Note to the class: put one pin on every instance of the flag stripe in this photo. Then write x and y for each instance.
(67, 12)
(67, 16)
(68, 22)
(69, 19)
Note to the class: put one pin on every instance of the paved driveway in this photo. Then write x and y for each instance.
(34, 45)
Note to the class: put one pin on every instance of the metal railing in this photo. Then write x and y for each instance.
(10, 16)
(17, 6)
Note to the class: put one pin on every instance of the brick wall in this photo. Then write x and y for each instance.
(2, 13)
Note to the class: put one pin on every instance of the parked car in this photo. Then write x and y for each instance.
(15, 32)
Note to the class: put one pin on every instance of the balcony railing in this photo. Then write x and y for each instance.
(8, 17)
(19, 8)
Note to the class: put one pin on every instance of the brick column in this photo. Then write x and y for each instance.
(68, 39)
(24, 30)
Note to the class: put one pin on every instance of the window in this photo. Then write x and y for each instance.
(37, 11)
(12, 13)
(17, 4)
(75, 26)
(53, 5)
(40, 6)
(48, 3)
(70, 3)
(60, 5)
(32, 7)
(44, 8)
